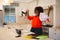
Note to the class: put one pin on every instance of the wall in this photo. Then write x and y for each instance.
(1, 2)
(57, 14)
(45, 3)
(1, 18)
(1, 13)
(29, 6)
(32, 5)
(20, 19)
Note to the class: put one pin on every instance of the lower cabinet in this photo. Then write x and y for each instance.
(54, 33)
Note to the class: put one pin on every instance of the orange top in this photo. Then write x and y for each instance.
(36, 22)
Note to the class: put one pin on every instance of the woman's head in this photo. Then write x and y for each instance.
(38, 10)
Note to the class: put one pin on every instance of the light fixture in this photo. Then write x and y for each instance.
(7, 2)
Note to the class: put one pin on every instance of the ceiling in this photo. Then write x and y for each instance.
(22, 0)
(5, 2)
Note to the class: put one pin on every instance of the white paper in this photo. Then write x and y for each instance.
(43, 17)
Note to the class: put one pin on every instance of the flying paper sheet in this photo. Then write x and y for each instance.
(43, 17)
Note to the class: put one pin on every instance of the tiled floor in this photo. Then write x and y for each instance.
(9, 34)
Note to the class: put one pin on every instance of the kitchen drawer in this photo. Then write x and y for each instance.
(52, 32)
(58, 34)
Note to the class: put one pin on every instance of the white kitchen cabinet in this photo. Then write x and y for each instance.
(54, 33)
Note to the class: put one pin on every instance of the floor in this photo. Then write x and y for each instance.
(9, 33)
